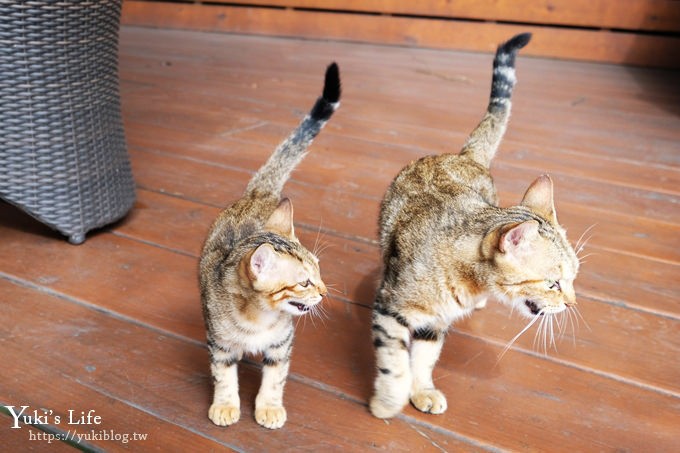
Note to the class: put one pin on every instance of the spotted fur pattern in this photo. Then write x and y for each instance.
(447, 246)
(255, 276)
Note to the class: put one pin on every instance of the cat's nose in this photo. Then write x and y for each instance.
(322, 289)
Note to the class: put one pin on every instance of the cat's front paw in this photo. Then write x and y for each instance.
(224, 415)
(272, 417)
(382, 410)
(431, 401)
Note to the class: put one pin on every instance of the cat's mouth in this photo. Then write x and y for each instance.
(549, 309)
(302, 308)
(533, 307)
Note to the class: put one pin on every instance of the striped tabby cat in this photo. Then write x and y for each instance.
(255, 276)
(447, 246)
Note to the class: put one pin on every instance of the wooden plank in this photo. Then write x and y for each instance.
(376, 173)
(606, 46)
(610, 137)
(387, 122)
(510, 405)
(20, 439)
(355, 217)
(643, 237)
(123, 308)
(660, 15)
(169, 400)
(182, 120)
(597, 102)
(352, 269)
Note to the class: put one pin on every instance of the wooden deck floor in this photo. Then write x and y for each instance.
(115, 325)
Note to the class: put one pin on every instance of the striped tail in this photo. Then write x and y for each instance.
(483, 142)
(504, 72)
(270, 178)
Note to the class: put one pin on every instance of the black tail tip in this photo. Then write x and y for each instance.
(331, 86)
(515, 43)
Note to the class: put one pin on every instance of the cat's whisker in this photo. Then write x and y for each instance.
(570, 318)
(552, 332)
(578, 313)
(297, 321)
(582, 258)
(544, 335)
(509, 345)
(575, 319)
(578, 247)
(316, 240)
(583, 244)
(540, 331)
(320, 312)
(332, 287)
(322, 248)
(310, 315)
(561, 324)
(324, 315)
(537, 335)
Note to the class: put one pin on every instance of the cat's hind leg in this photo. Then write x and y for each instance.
(391, 338)
(425, 349)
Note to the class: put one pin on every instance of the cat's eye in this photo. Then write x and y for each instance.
(554, 284)
(305, 284)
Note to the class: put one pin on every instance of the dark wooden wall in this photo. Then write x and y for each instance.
(637, 32)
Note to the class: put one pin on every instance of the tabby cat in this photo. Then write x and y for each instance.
(255, 276)
(447, 246)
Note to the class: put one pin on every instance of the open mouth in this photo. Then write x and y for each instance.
(533, 307)
(302, 308)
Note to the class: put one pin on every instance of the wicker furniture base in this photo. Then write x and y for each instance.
(63, 157)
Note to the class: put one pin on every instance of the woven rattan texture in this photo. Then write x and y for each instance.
(63, 157)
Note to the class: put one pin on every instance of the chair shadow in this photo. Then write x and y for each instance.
(660, 87)
(16, 220)
(659, 79)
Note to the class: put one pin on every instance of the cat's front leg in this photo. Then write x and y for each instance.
(269, 410)
(393, 381)
(226, 406)
(425, 349)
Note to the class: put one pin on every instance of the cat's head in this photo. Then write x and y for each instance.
(536, 265)
(284, 272)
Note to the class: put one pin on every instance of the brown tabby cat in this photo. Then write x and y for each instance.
(255, 276)
(447, 246)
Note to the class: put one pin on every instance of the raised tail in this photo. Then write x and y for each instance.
(270, 178)
(483, 142)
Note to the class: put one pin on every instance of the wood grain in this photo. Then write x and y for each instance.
(579, 44)
(169, 400)
(637, 14)
(115, 324)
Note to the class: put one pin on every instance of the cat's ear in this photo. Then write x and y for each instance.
(539, 198)
(281, 220)
(517, 240)
(263, 261)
